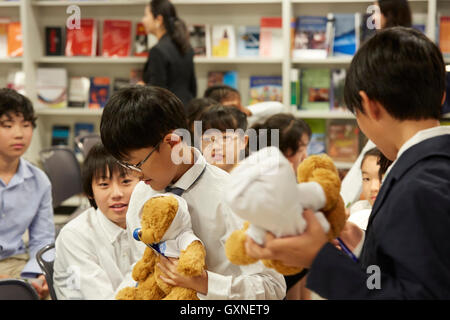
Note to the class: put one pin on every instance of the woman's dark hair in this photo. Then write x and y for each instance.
(12, 102)
(220, 92)
(222, 118)
(97, 165)
(371, 152)
(402, 70)
(397, 13)
(139, 117)
(290, 132)
(175, 27)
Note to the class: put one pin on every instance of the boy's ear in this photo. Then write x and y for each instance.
(172, 139)
(371, 108)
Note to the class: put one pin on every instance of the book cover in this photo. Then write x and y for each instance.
(51, 87)
(248, 41)
(200, 39)
(60, 135)
(15, 48)
(4, 37)
(343, 140)
(230, 78)
(315, 89)
(99, 92)
(310, 40)
(271, 37)
(116, 38)
(79, 92)
(318, 133)
(345, 41)
(120, 83)
(265, 88)
(223, 41)
(83, 41)
(337, 84)
(444, 35)
(295, 88)
(140, 41)
(54, 41)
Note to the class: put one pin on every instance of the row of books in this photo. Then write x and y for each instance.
(56, 90)
(10, 38)
(116, 39)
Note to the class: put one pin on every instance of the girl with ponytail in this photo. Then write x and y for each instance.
(170, 63)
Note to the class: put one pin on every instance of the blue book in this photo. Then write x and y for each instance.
(265, 88)
(60, 135)
(248, 41)
(310, 37)
(345, 40)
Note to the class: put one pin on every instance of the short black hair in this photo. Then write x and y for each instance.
(97, 164)
(139, 117)
(396, 12)
(220, 92)
(12, 102)
(196, 106)
(222, 118)
(290, 132)
(374, 152)
(401, 69)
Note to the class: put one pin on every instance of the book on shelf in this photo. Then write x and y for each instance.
(60, 135)
(223, 41)
(248, 41)
(200, 39)
(142, 41)
(444, 34)
(295, 87)
(271, 37)
(51, 87)
(229, 78)
(315, 89)
(15, 48)
(310, 41)
(4, 37)
(79, 92)
(317, 142)
(120, 83)
(116, 39)
(99, 92)
(343, 140)
(83, 41)
(54, 41)
(346, 33)
(265, 88)
(337, 83)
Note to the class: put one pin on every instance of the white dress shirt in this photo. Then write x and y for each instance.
(213, 222)
(92, 257)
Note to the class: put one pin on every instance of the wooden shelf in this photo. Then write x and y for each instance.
(10, 4)
(311, 114)
(11, 60)
(69, 112)
(324, 62)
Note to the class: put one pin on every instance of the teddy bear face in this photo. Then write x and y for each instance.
(157, 216)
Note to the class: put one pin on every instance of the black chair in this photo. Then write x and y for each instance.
(16, 289)
(47, 268)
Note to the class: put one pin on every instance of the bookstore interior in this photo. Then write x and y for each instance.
(292, 51)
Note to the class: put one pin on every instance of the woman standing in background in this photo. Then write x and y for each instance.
(171, 61)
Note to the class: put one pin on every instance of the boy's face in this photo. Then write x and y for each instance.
(112, 195)
(15, 135)
(370, 179)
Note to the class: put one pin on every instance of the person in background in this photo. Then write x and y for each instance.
(93, 248)
(170, 63)
(25, 195)
(194, 110)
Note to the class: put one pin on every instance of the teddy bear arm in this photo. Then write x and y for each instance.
(337, 218)
(192, 260)
(144, 266)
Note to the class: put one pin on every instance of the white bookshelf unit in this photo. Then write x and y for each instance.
(35, 15)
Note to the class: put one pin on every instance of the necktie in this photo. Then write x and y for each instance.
(179, 191)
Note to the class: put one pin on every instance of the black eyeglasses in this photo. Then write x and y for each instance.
(138, 166)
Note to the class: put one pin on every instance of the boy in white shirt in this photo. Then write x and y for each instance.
(144, 128)
(92, 251)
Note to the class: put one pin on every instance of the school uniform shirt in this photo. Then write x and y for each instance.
(406, 248)
(92, 257)
(213, 222)
(359, 213)
(263, 110)
(26, 203)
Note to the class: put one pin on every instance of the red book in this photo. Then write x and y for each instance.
(15, 48)
(116, 38)
(83, 41)
(140, 41)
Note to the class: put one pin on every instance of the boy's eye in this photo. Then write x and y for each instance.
(366, 179)
(126, 181)
(103, 184)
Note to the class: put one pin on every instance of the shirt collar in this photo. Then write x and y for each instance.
(23, 172)
(190, 176)
(112, 231)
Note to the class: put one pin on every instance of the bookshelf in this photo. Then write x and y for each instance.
(36, 14)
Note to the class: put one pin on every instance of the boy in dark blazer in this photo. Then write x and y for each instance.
(395, 87)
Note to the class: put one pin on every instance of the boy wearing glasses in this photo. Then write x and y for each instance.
(139, 128)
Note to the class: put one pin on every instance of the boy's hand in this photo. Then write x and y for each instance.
(41, 286)
(351, 235)
(171, 276)
(296, 251)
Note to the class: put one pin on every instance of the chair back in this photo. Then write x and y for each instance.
(17, 289)
(46, 265)
(85, 142)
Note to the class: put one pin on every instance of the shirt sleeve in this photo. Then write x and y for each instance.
(156, 74)
(41, 233)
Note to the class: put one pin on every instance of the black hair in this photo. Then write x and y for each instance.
(384, 165)
(402, 70)
(98, 164)
(12, 102)
(175, 27)
(397, 13)
(222, 118)
(371, 152)
(196, 106)
(139, 117)
(291, 130)
(220, 92)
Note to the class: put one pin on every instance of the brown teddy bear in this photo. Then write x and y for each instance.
(263, 191)
(166, 230)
